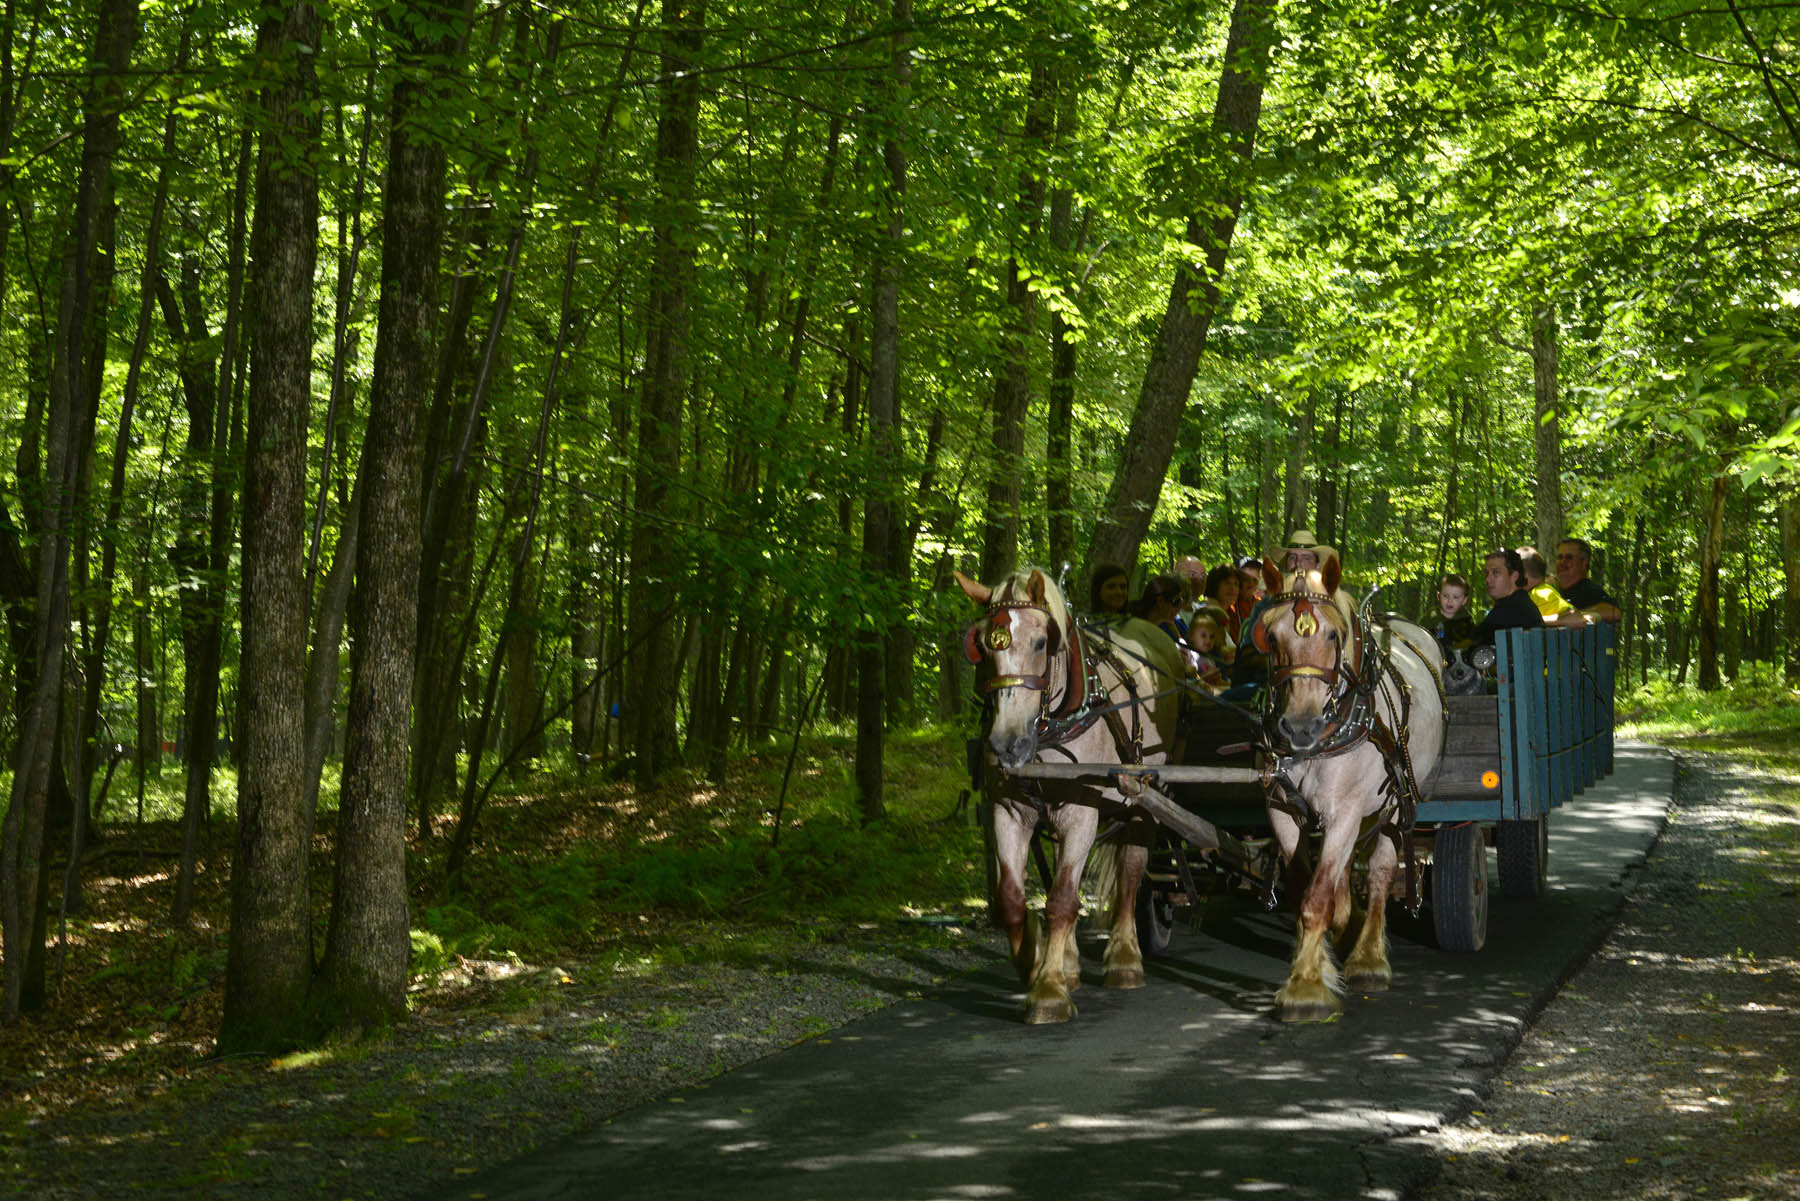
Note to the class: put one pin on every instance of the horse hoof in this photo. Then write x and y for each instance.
(1309, 1011)
(1125, 977)
(1043, 1013)
(1373, 980)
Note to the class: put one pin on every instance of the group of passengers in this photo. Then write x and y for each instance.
(1523, 596)
(1210, 613)
(1201, 610)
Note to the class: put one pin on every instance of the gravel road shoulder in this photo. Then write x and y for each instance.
(1666, 1067)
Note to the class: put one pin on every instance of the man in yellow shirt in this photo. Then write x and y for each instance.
(1544, 595)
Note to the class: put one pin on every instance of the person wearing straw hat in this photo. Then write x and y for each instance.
(1303, 551)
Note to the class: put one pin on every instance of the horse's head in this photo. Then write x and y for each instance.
(1309, 635)
(1024, 625)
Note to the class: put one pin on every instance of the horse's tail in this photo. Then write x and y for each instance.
(1101, 877)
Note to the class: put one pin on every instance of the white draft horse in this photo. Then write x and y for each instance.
(1353, 722)
(1065, 694)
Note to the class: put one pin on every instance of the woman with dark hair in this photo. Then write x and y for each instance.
(1223, 584)
(1110, 591)
(1160, 605)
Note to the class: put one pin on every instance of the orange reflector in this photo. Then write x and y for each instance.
(1490, 779)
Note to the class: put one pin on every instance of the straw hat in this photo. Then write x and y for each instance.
(1304, 539)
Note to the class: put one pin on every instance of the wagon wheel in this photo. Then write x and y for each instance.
(1459, 892)
(1155, 919)
(1524, 850)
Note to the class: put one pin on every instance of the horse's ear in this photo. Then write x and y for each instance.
(1333, 572)
(972, 643)
(1259, 634)
(981, 594)
(1272, 577)
(1034, 587)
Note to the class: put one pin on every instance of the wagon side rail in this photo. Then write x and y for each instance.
(1555, 713)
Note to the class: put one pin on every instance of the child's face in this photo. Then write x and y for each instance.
(1114, 593)
(1451, 600)
(1203, 639)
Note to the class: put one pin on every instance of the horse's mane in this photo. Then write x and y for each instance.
(1017, 587)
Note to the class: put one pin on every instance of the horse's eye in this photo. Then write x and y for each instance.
(1038, 644)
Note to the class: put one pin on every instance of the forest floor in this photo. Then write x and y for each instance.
(587, 964)
(1666, 1067)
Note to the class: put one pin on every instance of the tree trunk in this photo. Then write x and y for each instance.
(1012, 379)
(1194, 297)
(1268, 480)
(651, 704)
(1711, 553)
(365, 964)
(322, 660)
(1631, 634)
(1548, 427)
(1452, 480)
(93, 608)
(269, 958)
(148, 695)
(22, 892)
(884, 413)
(206, 507)
(1790, 570)
(1299, 453)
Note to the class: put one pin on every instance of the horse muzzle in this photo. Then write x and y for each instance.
(1014, 750)
(1302, 733)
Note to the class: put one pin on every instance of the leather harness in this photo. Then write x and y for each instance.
(1085, 697)
(1353, 717)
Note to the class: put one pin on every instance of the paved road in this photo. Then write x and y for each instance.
(1186, 1088)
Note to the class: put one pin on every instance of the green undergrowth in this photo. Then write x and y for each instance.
(1755, 723)
(591, 869)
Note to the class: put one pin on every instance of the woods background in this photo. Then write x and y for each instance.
(421, 390)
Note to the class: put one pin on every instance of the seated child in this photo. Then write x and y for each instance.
(1544, 595)
(1206, 646)
(1452, 625)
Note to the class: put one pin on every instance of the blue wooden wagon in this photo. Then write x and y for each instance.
(1511, 757)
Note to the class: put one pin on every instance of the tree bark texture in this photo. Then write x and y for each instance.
(1547, 428)
(1012, 376)
(883, 401)
(269, 958)
(200, 602)
(367, 946)
(1712, 552)
(1193, 298)
(1790, 570)
(651, 708)
(51, 488)
(1299, 453)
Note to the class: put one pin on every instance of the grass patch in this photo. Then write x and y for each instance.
(1756, 723)
(697, 870)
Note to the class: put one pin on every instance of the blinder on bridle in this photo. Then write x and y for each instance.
(999, 637)
(1344, 682)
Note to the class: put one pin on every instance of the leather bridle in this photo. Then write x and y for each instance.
(1349, 683)
(1084, 699)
